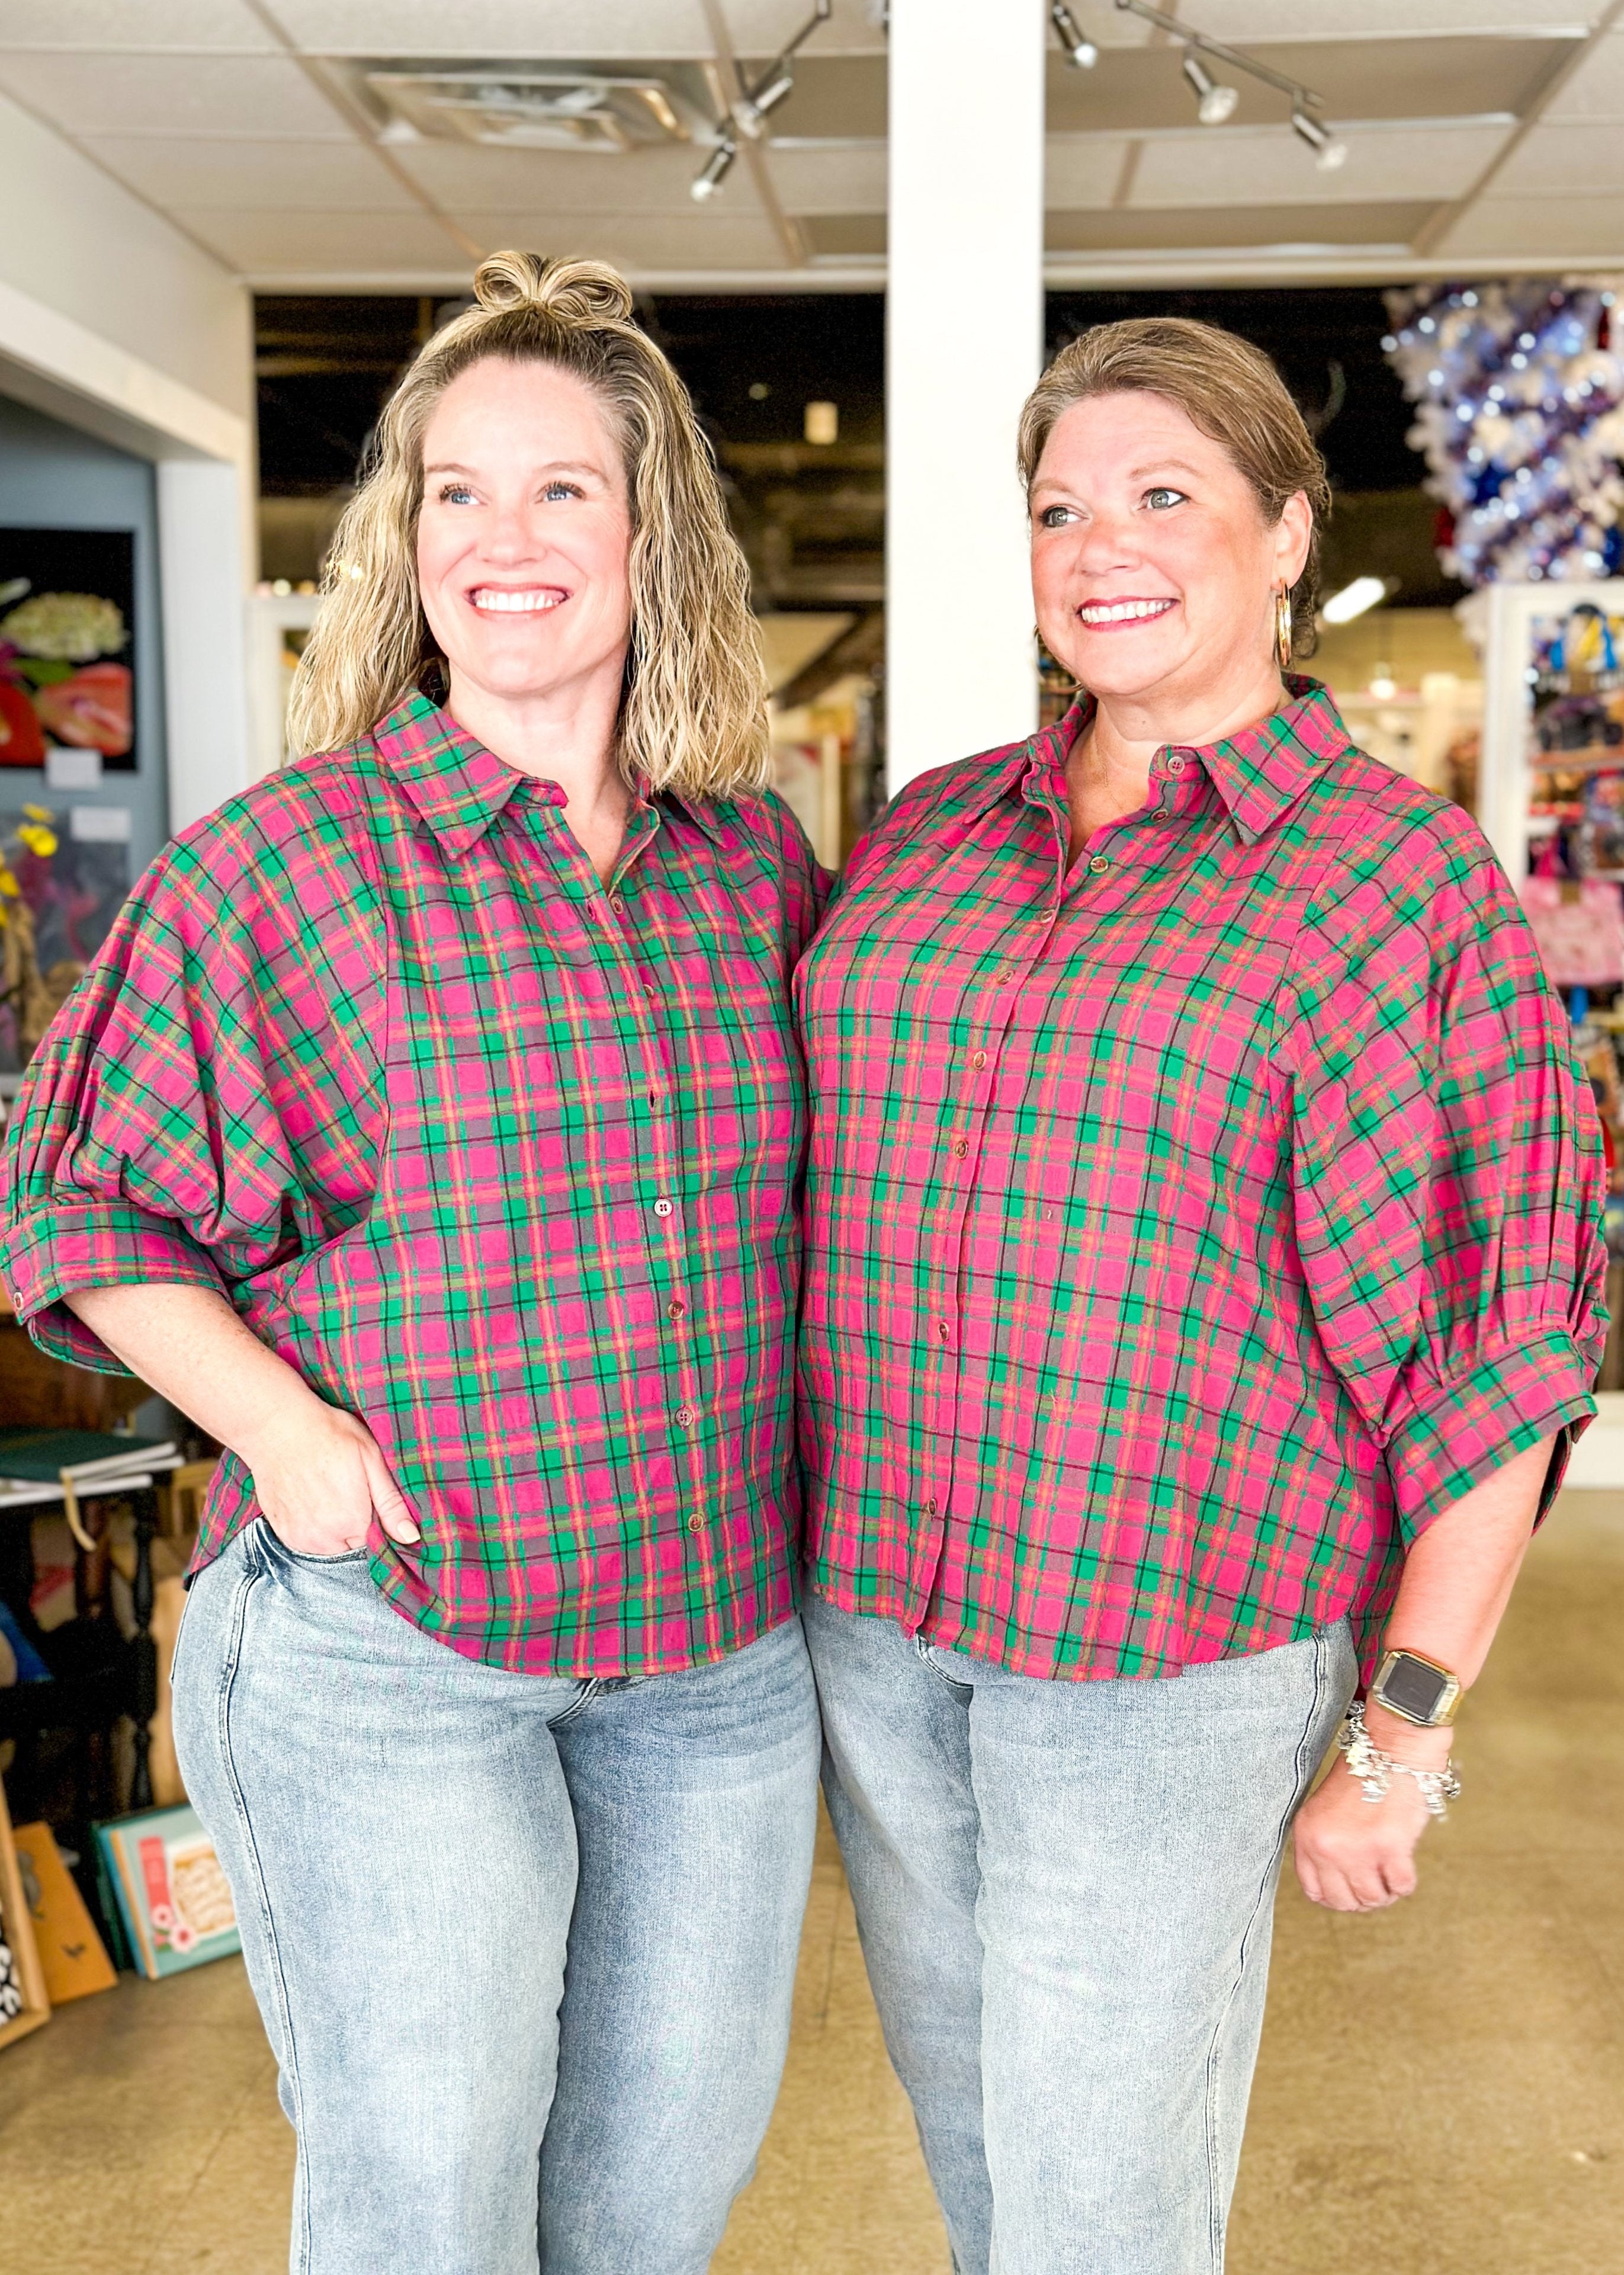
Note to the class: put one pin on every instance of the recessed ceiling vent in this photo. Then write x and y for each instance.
(531, 107)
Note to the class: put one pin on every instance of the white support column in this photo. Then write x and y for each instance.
(964, 338)
(202, 538)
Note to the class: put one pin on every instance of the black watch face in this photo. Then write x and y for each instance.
(1413, 1688)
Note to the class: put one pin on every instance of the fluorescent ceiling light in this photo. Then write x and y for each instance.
(1354, 600)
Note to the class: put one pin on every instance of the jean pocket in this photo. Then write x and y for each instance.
(277, 1546)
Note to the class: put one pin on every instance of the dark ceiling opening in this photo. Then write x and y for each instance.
(811, 514)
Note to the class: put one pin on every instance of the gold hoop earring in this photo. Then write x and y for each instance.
(1282, 628)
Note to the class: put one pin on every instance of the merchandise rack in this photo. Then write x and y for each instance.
(1499, 621)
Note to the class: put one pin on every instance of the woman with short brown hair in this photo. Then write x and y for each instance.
(429, 1129)
(1203, 1292)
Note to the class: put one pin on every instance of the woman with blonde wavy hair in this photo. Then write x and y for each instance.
(429, 1131)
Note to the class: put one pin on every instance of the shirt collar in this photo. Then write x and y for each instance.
(1261, 773)
(456, 785)
(1008, 770)
(459, 788)
(1257, 773)
(700, 810)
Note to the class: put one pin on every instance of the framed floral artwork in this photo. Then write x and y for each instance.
(67, 663)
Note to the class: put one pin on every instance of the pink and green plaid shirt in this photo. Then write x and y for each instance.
(1185, 1232)
(501, 1161)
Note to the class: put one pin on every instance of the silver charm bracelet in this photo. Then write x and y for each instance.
(1376, 1770)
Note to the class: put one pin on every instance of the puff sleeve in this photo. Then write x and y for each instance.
(1448, 1173)
(199, 1110)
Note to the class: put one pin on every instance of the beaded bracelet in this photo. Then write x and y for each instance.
(1376, 1770)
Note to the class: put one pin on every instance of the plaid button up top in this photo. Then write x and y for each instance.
(502, 1161)
(1187, 1231)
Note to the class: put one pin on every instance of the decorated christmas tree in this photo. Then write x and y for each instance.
(1519, 390)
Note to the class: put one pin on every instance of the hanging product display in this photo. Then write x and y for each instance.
(1572, 676)
(1575, 676)
(1519, 390)
(1579, 929)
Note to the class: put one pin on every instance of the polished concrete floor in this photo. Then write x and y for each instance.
(1441, 2087)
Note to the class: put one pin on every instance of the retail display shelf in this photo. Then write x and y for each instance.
(1595, 757)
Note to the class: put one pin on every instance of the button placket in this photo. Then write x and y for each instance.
(998, 990)
(681, 1374)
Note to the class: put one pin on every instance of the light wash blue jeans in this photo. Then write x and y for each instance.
(469, 1899)
(1064, 1892)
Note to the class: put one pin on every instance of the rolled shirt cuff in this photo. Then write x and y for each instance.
(1465, 1429)
(64, 1247)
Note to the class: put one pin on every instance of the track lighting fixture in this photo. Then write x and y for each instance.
(748, 114)
(750, 111)
(717, 167)
(1072, 37)
(1214, 101)
(1329, 153)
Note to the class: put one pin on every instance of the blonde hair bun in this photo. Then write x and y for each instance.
(572, 292)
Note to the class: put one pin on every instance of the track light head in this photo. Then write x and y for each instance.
(1214, 101)
(1072, 37)
(715, 171)
(1329, 153)
(750, 111)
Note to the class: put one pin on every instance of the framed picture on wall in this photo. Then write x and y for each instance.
(67, 649)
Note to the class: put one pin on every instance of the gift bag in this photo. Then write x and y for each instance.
(1579, 929)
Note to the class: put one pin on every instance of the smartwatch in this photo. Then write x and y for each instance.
(1417, 1689)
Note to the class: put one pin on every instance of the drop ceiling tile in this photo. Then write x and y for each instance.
(830, 181)
(172, 94)
(1585, 156)
(1083, 169)
(1434, 77)
(325, 244)
(594, 29)
(638, 242)
(1274, 168)
(1108, 29)
(836, 99)
(1597, 88)
(1554, 228)
(125, 24)
(759, 27)
(851, 178)
(564, 181)
(1241, 20)
(846, 236)
(1215, 226)
(209, 174)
